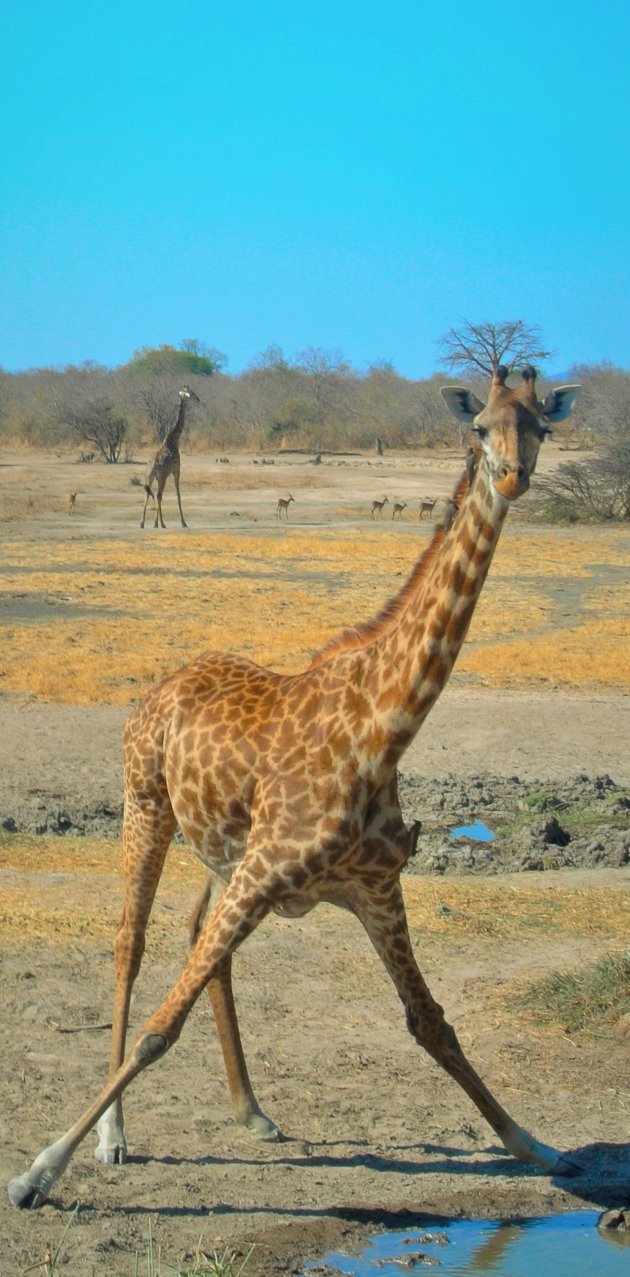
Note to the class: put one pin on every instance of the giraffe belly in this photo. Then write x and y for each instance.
(217, 849)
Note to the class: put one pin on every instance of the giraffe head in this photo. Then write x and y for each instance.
(186, 393)
(511, 426)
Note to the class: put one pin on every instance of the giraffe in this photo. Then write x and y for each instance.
(286, 788)
(166, 462)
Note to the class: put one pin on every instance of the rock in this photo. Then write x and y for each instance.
(618, 1218)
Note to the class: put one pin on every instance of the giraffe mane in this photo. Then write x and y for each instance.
(360, 636)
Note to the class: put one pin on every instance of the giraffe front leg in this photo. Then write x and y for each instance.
(384, 919)
(179, 500)
(29, 1190)
(244, 904)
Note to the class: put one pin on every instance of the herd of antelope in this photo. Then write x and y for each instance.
(426, 506)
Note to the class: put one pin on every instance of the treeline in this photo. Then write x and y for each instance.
(316, 401)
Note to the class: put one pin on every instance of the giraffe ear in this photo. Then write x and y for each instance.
(559, 402)
(462, 403)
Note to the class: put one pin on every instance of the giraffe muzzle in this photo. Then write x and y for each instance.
(511, 482)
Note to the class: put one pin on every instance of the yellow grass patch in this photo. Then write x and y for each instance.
(83, 896)
(595, 655)
(100, 620)
(478, 907)
(84, 892)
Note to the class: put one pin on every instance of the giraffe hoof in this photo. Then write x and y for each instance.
(263, 1130)
(24, 1195)
(115, 1156)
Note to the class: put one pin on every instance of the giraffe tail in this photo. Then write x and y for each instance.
(148, 491)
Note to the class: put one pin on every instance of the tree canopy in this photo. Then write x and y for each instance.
(190, 359)
(476, 348)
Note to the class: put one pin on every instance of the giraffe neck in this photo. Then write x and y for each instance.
(402, 661)
(174, 435)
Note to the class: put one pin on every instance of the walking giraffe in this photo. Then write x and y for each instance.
(286, 787)
(167, 462)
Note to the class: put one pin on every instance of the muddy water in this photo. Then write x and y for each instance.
(555, 1246)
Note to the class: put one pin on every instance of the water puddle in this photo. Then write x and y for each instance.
(556, 1246)
(477, 831)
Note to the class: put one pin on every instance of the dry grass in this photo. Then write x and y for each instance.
(487, 908)
(597, 655)
(100, 620)
(76, 907)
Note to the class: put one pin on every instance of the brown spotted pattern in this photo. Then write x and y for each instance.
(285, 787)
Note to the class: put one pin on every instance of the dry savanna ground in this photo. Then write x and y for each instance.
(107, 609)
(92, 612)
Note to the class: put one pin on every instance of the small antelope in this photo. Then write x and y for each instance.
(427, 506)
(378, 505)
(283, 506)
(398, 509)
(72, 501)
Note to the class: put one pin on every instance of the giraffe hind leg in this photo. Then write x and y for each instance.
(147, 832)
(246, 1107)
(384, 919)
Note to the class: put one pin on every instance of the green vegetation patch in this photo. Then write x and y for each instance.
(583, 1000)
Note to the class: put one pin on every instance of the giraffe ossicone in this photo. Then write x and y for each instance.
(286, 787)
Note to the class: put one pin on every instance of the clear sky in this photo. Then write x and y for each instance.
(338, 173)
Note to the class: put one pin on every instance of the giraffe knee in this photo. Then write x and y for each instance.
(431, 1030)
(150, 1048)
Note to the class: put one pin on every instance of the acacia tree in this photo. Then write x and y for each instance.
(597, 489)
(98, 422)
(480, 348)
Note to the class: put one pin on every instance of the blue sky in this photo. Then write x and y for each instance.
(351, 175)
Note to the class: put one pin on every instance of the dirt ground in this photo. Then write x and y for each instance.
(375, 1135)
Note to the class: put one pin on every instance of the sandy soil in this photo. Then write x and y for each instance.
(376, 1135)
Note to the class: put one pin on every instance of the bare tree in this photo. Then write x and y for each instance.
(597, 489)
(156, 395)
(97, 422)
(475, 348)
(605, 400)
(327, 375)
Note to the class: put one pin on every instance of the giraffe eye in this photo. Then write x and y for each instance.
(481, 431)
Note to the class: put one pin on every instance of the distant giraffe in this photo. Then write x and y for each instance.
(72, 502)
(377, 507)
(399, 506)
(285, 785)
(282, 507)
(167, 462)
